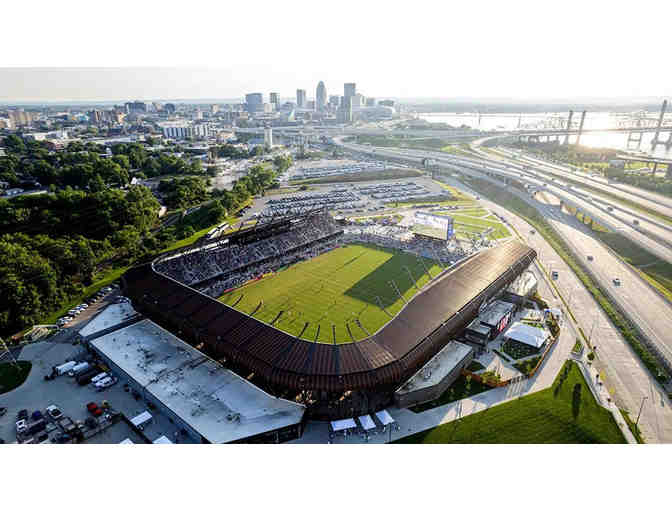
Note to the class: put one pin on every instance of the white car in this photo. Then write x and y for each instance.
(84, 305)
(105, 383)
(21, 426)
(54, 412)
(100, 377)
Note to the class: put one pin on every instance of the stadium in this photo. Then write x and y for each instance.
(308, 310)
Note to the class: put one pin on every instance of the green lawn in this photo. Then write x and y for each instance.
(335, 289)
(12, 376)
(565, 413)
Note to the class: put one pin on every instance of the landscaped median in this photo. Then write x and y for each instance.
(533, 217)
(566, 412)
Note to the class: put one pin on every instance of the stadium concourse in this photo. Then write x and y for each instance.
(334, 380)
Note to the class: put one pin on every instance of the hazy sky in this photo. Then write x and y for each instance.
(518, 49)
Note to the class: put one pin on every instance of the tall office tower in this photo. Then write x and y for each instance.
(345, 110)
(169, 107)
(349, 89)
(300, 98)
(275, 100)
(334, 101)
(95, 116)
(370, 101)
(320, 97)
(214, 108)
(254, 102)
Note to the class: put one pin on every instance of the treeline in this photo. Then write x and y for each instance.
(86, 166)
(51, 246)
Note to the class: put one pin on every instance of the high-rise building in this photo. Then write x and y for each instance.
(345, 110)
(169, 108)
(300, 98)
(349, 89)
(275, 100)
(311, 105)
(387, 102)
(370, 101)
(95, 116)
(334, 101)
(214, 108)
(320, 97)
(136, 107)
(268, 137)
(254, 102)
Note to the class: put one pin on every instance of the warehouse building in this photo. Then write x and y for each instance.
(207, 401)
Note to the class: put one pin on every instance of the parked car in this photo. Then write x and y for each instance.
(105, 383)
(554, 275)
(93, 408)
(590, 258)
(617, 282)
(54, 412)
(100, 376)
(91, 422)
(37, 415)
(3, 411)
(22, 414)
(21, 426)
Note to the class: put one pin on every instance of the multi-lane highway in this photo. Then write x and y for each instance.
(651, 311)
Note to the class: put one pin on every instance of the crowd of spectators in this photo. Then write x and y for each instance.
(225, 260)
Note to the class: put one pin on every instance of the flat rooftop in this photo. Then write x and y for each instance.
(214, 401)
(110, 316)
(437, 368)
(494, 313)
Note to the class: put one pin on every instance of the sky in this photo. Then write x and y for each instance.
(73, 50)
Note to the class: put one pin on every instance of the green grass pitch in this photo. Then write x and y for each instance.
(335, 291)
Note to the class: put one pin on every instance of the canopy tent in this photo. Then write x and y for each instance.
(384, 417)
(162, 440)
(345, 424)
(366, 422)
(528, 335)
(127, 441)
(141, 419)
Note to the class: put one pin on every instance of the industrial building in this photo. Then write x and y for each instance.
(207, 401)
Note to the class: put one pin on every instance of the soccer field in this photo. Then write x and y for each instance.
(336, 297)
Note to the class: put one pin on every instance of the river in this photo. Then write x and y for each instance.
(509, 121)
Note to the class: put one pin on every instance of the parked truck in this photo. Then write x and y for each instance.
(65, 367)
(78, 369)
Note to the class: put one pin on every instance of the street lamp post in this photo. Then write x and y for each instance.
(640, 409)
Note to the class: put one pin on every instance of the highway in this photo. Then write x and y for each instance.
(626, 377)
(654, 201)
(644, 305)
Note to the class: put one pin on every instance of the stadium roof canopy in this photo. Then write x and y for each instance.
(390, 356)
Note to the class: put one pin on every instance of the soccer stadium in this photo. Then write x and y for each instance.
(334, 317)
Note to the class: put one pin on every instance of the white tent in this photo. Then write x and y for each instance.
(528, 335)
(366, 422)
(141, 419)
(384, 417)
(346, 424)
(162, 440)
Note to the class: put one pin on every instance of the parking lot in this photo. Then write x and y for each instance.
(36, 394)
